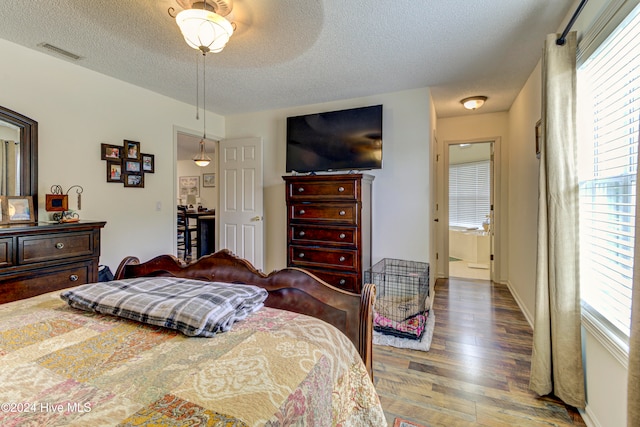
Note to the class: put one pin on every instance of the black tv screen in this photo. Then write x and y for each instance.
(336, 140)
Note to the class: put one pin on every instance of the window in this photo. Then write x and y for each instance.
(609, 113)
(469, 193)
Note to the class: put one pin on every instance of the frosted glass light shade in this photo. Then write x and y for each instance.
(474, 102)
(201, 159)
(204, 30)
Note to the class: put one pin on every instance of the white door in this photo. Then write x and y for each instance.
(240, 212)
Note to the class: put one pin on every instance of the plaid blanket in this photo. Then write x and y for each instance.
(193, 307)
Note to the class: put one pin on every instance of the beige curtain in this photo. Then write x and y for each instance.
(633, 381)
(8, 167)
(556, 361)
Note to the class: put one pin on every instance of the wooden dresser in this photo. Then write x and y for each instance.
(43, 257)
(329, 226)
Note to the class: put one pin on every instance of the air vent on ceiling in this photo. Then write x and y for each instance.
(60, 51)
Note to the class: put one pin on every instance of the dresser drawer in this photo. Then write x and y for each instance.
(343, 189)
(347, 281)
(346, 213)
(40, 281)
(318, 234)
(6, 252)
(49, 247)
(305, 256)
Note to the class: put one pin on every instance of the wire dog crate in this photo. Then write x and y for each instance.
(402, 289)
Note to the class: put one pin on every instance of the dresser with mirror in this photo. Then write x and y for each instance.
(40, 256)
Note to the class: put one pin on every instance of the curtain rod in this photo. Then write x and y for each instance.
(563, 38)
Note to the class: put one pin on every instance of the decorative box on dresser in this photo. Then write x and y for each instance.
(43, 257)
(329, 226)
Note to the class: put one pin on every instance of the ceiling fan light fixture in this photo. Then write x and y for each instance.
(473, 102)
(201, 159)
(204, 30)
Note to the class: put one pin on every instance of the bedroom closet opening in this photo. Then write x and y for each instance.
(470, 210)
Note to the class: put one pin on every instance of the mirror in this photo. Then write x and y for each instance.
(18, 155)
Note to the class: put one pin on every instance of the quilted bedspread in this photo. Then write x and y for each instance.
(65, 367)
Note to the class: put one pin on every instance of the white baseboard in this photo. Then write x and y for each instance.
(523, 309)
(588, 418)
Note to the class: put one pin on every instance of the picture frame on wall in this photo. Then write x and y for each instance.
(189, 186)
(110, 152)
(132, 150)
(132, 166)
(20, 209)
(114, 171)
(133, 180)
(148, 163)
(208, 179)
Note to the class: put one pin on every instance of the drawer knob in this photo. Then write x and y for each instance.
(301, 211)
(301, 233)
(342, 213)
(301, 255)
(300, 189)
(59, 245)
(73, 277)
(342, 281)
(341, 189)
(342, 235)
(342, 259)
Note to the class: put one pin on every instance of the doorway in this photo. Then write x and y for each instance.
(470, 209)
(196, 193)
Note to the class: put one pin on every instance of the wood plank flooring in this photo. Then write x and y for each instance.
(477, 370)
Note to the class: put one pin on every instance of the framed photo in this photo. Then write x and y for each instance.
(189, 186)
(148, 163)
(208, 179)
(538, 137)
(114, 171)
(57, 202)
(132, 166)
(108, 151)
(20, 209)
(133, 180)
(131, 150)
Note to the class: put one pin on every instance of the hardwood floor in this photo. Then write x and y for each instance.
(477, 370)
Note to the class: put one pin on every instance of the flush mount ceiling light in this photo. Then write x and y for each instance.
(204, 26)
(473, 102)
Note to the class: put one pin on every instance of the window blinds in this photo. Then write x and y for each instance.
(469, 194)
(609, 100)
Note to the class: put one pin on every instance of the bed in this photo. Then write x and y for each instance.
(281, 365)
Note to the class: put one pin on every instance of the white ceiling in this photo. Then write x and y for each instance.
(287, 53)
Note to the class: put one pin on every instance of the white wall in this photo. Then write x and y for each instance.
(523, 193)
(401, 189)
(76, 110)
(208, 195)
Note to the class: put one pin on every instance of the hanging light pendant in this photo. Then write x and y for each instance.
(201, 159)
(203, 29)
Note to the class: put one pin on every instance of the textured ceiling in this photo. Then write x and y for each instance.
(295, 52)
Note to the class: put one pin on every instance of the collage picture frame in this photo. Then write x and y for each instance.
(126, 164)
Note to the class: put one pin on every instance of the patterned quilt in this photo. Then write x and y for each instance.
(60, 366)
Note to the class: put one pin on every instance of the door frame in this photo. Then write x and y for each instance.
(495, 200)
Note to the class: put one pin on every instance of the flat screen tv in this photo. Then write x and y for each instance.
(336, 140)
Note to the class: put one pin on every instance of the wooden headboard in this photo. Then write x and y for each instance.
(289, 289)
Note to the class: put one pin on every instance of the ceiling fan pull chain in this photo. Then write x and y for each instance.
(197, 87)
